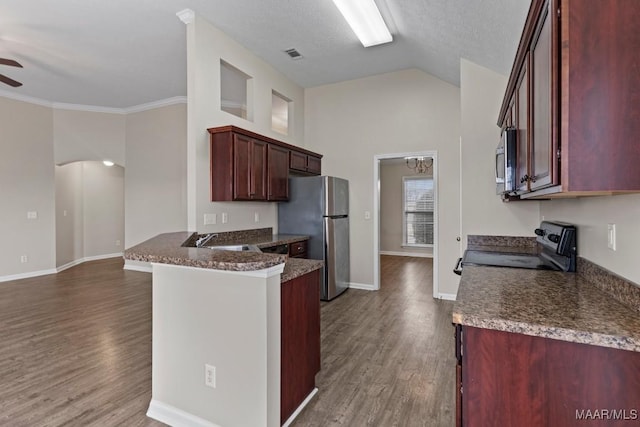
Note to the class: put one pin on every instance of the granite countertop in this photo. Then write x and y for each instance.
(550, 304)
(167, 249)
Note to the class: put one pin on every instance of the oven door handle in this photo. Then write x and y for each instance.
(458, 267)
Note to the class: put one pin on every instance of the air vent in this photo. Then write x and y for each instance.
(293, 54)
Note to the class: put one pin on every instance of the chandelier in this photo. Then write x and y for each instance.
(419, 164)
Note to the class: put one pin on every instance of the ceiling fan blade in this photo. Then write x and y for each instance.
(10, 82)
(10, 62)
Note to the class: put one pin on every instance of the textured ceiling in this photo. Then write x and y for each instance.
(121, 53)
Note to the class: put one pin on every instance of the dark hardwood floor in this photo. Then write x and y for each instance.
(387, 356)
(75, 350)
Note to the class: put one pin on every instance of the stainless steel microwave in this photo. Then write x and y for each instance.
(506, 162)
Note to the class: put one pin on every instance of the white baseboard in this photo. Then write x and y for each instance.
(133, 265)
(449, 297)
(412, 254)
(363, 286)
(58, 269)
(175, 417)
(85, 259)
(300, 408)
(27, 275)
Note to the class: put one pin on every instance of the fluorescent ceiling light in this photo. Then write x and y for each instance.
(365, 20)
(107, 163)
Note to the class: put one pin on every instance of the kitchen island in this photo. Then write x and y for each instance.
(222, 328)
(538, 347)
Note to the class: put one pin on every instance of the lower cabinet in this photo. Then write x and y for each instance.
(510, 379)
(300, 340)
(298, 249)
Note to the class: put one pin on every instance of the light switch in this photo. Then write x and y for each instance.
(209, 219)
(611, 236)
(367, 215)
(256, 217)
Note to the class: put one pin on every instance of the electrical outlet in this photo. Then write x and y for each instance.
(24, 259)
(117, 242)
(210, 218)
(64, 213)
(611, 236)
(32, 215)
(256, 217)
(210, 376)
(225, 217)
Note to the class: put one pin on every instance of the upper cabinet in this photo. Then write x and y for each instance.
(304, 163)
(573, 98)
(246, 166)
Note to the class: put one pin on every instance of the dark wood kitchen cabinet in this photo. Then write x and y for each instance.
(300, 340)
(248, 166)
(574, 95)
(238, 167)
(277, 173)
(304, 163)
(298, 249)
(249, 169)
(508, 379)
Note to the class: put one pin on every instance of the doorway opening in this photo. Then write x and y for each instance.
(406, 209)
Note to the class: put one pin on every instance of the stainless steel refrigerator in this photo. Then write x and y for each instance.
(318, 206)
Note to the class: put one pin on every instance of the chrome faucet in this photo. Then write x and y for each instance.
(205, 239)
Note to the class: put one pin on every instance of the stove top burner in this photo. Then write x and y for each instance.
(500, 259)
(556, 251)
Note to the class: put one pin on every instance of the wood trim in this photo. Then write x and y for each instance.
(523, 47)
(231, 128)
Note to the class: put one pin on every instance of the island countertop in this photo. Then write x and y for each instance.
(167, 249)
(550, 304)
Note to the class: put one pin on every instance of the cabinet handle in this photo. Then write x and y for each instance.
(524, 179)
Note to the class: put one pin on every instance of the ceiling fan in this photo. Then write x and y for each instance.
(6, 80)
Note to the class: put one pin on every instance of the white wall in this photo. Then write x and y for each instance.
(103, 207)
(592, 215)
(481, 93)
(69, 214)
(206, 45)
(353, 121)
(156, 173)
(88, 135)
(242, 312)
(27, 183)
(89, 211)
(391, 211)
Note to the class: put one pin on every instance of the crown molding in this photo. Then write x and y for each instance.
(94, 108)
(186, 15)
(25, 98)
(156, 104)
(89, 108)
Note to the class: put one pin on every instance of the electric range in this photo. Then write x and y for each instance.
(557, 250)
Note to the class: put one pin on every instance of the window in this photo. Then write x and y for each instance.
(417, 203)
(235, 91)
(280, 106)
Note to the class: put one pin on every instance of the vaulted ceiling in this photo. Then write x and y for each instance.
(121, 53)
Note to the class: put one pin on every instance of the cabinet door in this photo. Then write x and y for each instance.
(278, 173)
(242, 147)
(541, 148)
(249, 168)
(522, 116)
(258, 170)
(313, 165)
(298, 161)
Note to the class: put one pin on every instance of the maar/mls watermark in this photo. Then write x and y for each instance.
(607, 414)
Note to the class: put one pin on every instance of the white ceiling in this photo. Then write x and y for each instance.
(122, 53)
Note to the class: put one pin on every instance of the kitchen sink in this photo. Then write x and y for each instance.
(247, 248)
